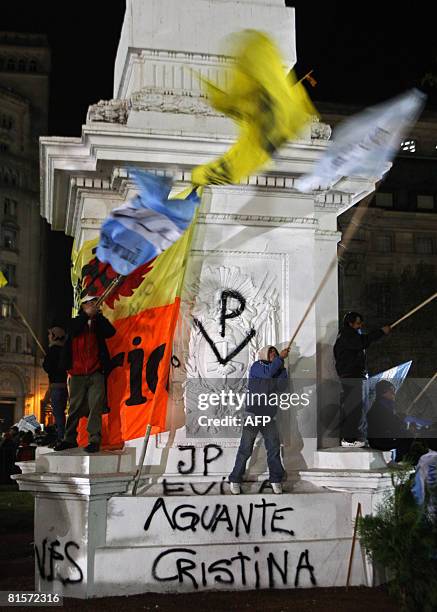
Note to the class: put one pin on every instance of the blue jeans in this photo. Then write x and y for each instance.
(58, 399)
(272, 443)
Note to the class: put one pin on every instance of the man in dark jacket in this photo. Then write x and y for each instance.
(86, 358)
(385, 429)
(350, 363)
(266, 377)
(58, 392)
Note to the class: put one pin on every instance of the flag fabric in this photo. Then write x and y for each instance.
(144, 311)
(3, 279)
(395, 375)
(364, 145)
(268, 105)
(145, 226)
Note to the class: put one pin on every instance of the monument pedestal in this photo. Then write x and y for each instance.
(71, 493)
(94, 540)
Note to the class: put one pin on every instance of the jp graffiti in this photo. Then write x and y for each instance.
(225, 314)
(57, 562)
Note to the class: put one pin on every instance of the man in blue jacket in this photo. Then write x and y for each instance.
(266, 379)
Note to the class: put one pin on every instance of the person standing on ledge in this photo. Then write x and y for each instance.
(350, 363)
(58, 392)
(266, 377)
(86, 358)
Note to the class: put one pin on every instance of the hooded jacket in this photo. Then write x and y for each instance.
(266, 380)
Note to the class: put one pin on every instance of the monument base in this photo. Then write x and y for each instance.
(93, 539)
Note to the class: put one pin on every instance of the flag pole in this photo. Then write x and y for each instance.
(27, 324)
(149, 426)
(354, 539)
(411, 312)
(425, 388)
(350, 232)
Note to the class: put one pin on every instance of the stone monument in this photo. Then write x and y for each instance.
(261, 239)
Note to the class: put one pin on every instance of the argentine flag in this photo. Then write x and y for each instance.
(146, 225)
(364, 145)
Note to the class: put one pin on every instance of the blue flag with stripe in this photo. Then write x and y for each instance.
(145, 226)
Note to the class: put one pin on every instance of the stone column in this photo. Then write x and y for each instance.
(71, 493)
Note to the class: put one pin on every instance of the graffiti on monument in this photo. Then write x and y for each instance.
(234, 315)
(187, 567)
(259, 520)
(55, 562)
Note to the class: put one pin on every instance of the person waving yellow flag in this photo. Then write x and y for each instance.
(268, 104)
(3, 279)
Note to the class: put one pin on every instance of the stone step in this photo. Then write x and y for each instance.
(218, 519)
(76, 461)
(169, 569)
(346, 459)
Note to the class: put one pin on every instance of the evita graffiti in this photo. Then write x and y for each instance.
(56, 562)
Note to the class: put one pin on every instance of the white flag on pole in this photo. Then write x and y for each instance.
(364, 145)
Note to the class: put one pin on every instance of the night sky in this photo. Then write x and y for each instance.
(361, 53)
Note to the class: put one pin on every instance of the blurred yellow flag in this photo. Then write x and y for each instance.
(3, 279)
(269, 106)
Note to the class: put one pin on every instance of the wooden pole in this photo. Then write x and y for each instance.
(417, 398)
(27, 324)
(142, 457)
(354, 539)
(411, 312)
(149, 426)
(348, 235)
(109, 289)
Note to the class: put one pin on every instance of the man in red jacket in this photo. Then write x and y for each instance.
(86, 359)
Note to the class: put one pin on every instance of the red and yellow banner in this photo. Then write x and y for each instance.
(144, 310)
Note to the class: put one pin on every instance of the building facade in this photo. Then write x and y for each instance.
(391, 264)
(24, 87)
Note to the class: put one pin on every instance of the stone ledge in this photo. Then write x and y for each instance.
(75, 461)
(72, 485)
(340, 458)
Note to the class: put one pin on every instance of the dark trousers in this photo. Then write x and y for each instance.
(87, 399)
(58, 400)
(401, 445)
(351, 404)
(272, 444)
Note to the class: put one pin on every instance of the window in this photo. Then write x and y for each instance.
(9, 238)
(385, 200)
(3, 147)
(10, 207)
(9, 270)
(7, 343)
(32, 65)
(384, 243)
(409, 146)
(424, 245)
(21, 65)
(5, 308)
(425, 202)
(382, 299)
(11, 63)
(18, 344)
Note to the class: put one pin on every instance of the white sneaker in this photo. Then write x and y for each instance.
(355, 444)
(235, 488)
(277, 488)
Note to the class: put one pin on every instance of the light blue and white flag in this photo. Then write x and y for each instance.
(146, 225)
(395, 375)
(364, 145)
